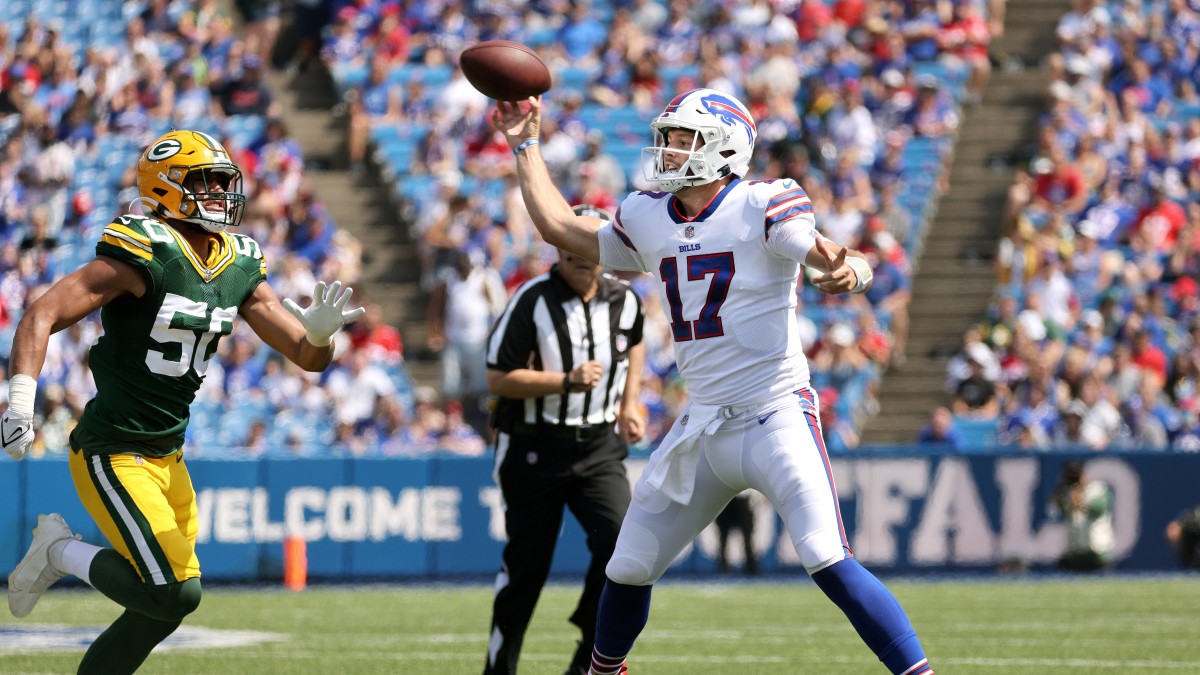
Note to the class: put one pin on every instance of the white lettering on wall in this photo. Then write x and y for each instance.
(439, 514)
(264, 529)
(296, 505)
(492, 499)
(231, 521)
(1018, 479)
(395, 519)
(886, 488)
(954, 526)
(346, 514)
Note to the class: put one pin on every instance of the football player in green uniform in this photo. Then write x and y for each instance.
(168, 287)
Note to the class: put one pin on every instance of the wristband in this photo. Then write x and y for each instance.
(862, 269)
(567, 382)
(318, 340)
(22, 390)
(533, 141)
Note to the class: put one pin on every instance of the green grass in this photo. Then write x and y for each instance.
(1011, 626)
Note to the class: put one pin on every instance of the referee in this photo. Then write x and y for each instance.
(565, 360)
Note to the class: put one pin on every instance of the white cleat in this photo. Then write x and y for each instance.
(34, 574)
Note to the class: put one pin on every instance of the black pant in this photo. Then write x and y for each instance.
(538, 476)
(737, 515)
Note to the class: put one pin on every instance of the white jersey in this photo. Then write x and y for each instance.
(728, 278)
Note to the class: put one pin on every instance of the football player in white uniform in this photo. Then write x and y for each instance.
(727, 253)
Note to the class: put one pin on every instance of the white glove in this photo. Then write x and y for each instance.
(326, 314)
(16, 433)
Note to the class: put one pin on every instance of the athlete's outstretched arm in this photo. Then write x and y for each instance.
(304, 336)
(70, 299)
(550, 211)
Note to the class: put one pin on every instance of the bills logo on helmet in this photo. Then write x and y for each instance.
(163, 149)
(729, 112)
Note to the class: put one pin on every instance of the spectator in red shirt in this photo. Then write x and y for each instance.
(382, 342)
(1147, 356)
(966, 37)
(393, 41)
(1159, 225)
(1059, 187)
(850, 12)
(812, 18)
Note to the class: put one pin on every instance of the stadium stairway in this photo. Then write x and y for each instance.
(955, 278)
(360, 204)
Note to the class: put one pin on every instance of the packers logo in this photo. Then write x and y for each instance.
(163, 150)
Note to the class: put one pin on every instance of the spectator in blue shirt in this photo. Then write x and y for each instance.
(582, 35)
(940, 430)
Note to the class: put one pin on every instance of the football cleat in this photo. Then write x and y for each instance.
(34, 574)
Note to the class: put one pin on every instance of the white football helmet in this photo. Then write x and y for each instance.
(724, 142)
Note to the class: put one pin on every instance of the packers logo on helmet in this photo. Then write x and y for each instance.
(188, 176)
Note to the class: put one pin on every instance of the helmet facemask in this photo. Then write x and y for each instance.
(723, 146)
(206, 183)
(702, 163)
(188, 175)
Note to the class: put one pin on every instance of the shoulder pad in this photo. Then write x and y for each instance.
(136, 235)
(764, 191)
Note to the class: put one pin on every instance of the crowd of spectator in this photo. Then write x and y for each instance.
(84, 87)
(856, 99)
(1093, 339)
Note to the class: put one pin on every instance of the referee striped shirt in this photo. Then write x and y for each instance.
(547, 326)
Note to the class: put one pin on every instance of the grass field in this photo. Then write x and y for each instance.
(1011, 626)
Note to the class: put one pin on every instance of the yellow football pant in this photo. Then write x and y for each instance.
(146, 508)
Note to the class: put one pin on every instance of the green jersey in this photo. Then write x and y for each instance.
(155, 349)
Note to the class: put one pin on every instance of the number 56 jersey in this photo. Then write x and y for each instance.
(155, 349)
(727, 278)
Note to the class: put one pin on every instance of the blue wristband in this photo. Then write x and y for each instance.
(526, 144)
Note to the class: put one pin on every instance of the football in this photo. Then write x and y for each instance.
(505, 70)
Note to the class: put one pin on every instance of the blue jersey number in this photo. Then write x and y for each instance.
(720, 266)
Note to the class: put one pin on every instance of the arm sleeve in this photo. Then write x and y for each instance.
(794, 237)
(617, 251)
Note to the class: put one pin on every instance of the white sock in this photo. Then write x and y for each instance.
(73, 557)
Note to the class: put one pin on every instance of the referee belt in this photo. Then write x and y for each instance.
(579, 434)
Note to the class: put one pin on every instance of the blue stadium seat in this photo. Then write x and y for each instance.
(976, 434)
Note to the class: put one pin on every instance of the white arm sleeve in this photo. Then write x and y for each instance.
(794, 237)
(615, 254)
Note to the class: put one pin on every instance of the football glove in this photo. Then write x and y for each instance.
(326, 314)
(16, 433)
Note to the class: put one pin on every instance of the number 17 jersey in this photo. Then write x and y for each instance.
(727, 279)
(155, 349)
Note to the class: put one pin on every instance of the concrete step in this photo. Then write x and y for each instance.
(916, 407)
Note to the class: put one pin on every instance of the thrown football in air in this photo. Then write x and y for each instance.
(504, 70)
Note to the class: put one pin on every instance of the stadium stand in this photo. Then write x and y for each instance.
(1093, 337)
(863, 115)
(84, 86)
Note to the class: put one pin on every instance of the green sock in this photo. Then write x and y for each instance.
(125, 645)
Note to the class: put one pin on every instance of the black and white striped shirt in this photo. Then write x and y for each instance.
(547, 326)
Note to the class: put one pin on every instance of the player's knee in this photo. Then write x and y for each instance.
(817, 567)
(175, 601)
(626, 570)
